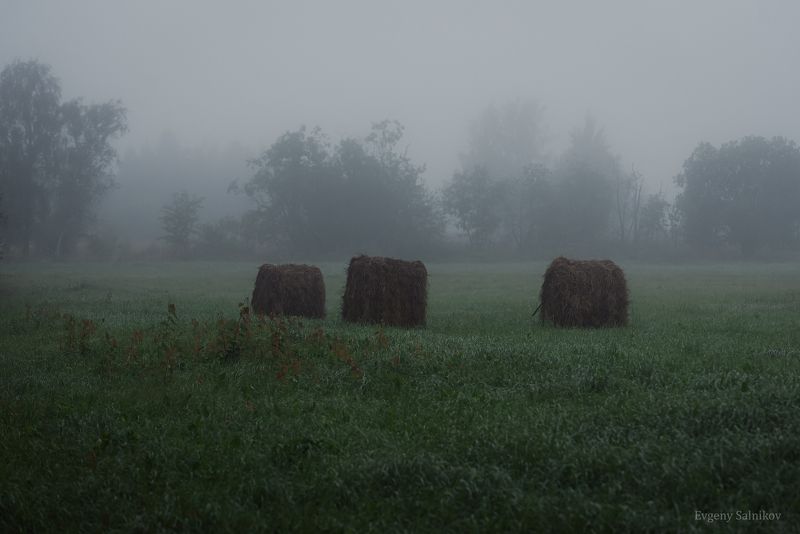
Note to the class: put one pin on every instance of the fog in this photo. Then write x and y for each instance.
(658, 78)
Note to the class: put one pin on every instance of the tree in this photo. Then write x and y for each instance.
(412, 220)
(701, 202)
(223, 238)
(2, 223)
(675, 222)
(366, 195)
(292, 187)
(493, 196)
(55, 158)
(654, 219)
(81, 174)
(148, 176)
(628, 197)
(526, 208)
(179, 221)
(473, 198)
(29, 126)
(584, 181)
(505, 140)
(745, 194)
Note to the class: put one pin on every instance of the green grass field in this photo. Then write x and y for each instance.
(116, 414)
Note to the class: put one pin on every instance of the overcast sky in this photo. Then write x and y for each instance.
(659, 76)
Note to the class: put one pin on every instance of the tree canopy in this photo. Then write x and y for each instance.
(359, 195)
(55, 158)
(508, 198)
(745, 194)
(179, 221)
(506, 139)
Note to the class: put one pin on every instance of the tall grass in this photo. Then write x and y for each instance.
(148, 397)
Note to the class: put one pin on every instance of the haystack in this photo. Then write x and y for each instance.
(584, 293)
(289, 290)
(385, 291)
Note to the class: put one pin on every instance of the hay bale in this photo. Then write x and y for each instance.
(385, 291)
(289, 290)
(584, 293)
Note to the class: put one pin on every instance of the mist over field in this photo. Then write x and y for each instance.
(502, 87)
(420, 266)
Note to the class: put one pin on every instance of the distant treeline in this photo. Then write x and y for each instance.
(306, 196)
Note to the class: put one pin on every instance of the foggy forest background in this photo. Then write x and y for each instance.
(310, 130)
(313, 130)
(67, 194)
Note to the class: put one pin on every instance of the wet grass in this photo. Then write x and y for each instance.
(117, 413)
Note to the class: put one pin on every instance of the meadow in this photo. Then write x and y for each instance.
(146, 397)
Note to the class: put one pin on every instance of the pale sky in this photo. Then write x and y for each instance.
(659, 76)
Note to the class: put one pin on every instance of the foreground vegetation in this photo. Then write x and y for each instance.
(147, 397)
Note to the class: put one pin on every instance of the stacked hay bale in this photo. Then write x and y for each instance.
(385, 291)
(584, 293)
(289, 290)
